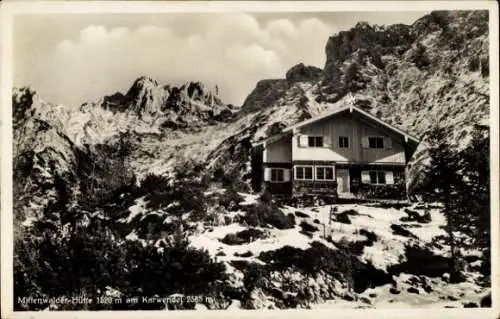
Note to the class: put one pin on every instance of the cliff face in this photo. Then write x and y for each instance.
(44, 158)
(407, 75)
(51, 172)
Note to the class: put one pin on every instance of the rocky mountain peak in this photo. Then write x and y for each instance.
(145, 81)
(27, 104)
(375, 41)
(145, 96)
(141, 86)
(303, 73)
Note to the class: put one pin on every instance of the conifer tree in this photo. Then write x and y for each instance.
(473, 204)
(443, 183)
(460, 181)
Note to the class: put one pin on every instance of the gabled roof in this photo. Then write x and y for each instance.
(290, 129)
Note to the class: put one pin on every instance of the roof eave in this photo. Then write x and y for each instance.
(272, 138)
(290, 130)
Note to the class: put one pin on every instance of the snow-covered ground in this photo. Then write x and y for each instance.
(443, 295)
(387, 250)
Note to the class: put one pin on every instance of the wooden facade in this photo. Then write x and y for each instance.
(354, 129)
(279, 151)
(348, 153)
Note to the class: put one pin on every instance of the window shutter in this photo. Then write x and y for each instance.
(267, 174)
(327, 141)
(286, 175)
(364, 142)
(388, 142)
(389, 177)
(303, 140)
(365, 177)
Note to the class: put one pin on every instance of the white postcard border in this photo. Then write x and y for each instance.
(11, 9)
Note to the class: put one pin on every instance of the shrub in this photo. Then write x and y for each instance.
(486, 301)
(485, 67)
(310, 261)
(399, 230)
(244, 255)
(228, 220)
(351, 212)
(87, 260)
(343, 218)
(306, 227)
(243, 237)
(474, 64)
(177, 269)
(187, 193)
(340, 264)
(251, 219)
(266, 196)
(372, 237)
(282, 258)
(230, 199)
(395, 191)
(310, 235)
(394, 291)
(230, 178)
(413, 290)
(415, 216)
(263, 213)
(395, 205)
(254, 276)
(354, 80)
(420, 57)
(102, 169)
(153, 183)
(301, 214)
(151, 226)
(357, 247)
(420, 261)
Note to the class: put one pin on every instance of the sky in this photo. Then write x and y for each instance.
(75, 58)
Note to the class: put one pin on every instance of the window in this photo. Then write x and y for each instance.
(324, 173)
(277, 175)
(303, 172)
(376, 142)
(343, 142)
(315, 141)
(377, 177)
